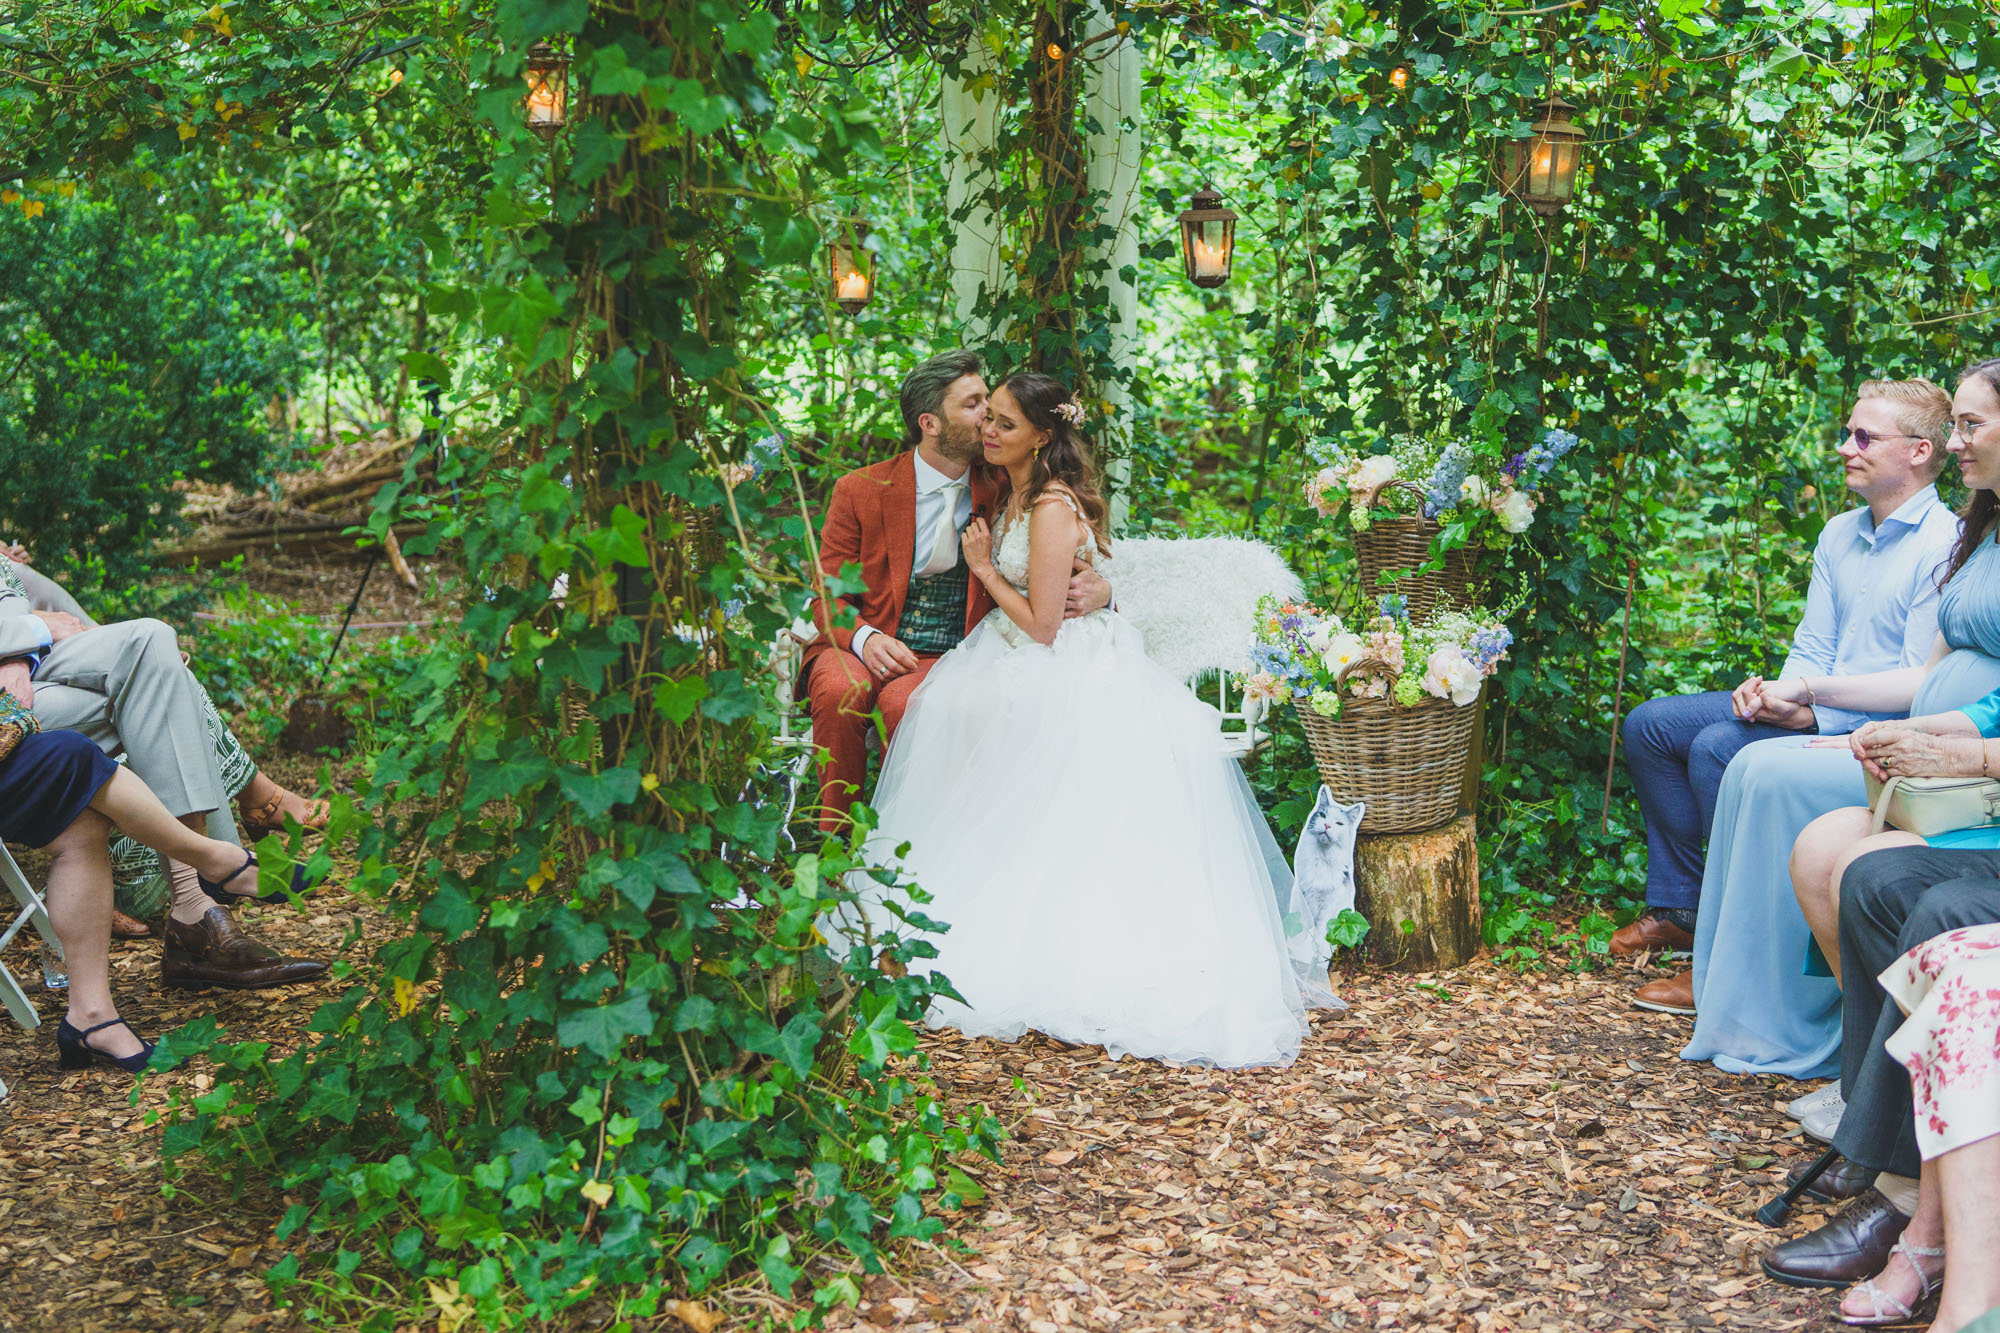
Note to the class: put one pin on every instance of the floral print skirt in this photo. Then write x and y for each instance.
(1950, 987)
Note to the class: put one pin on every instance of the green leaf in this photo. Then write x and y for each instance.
(602, 1030)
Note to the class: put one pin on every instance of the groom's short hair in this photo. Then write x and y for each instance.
(924, 388)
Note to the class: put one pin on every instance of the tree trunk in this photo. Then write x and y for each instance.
(1420, 893)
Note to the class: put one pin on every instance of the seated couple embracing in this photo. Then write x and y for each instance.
(1104, 872)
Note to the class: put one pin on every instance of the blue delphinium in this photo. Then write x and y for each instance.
(1544, 456)
(1490, 645)
(1394, 606)
(764, 454)
(1447, 477)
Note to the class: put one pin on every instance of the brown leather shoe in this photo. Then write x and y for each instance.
(1838, 1183)
(125, 927)
(216, 952)
(1669, 995)
(1649, 934)
(1853, 1245)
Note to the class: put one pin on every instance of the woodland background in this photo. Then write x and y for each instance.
(234, 239)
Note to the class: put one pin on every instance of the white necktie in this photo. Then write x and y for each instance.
(944, 551)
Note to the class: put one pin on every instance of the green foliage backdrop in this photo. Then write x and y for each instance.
(583, 1077)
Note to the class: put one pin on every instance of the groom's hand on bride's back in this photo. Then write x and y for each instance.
(1088, 591)
(887, 657)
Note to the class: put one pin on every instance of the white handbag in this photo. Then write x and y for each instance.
(1930, 806)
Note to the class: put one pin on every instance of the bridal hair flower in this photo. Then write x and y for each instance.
(1071, 411)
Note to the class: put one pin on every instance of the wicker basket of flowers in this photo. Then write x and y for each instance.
(1386, 706)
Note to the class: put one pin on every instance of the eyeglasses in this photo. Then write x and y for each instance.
(1863, 437)
(1966, 427)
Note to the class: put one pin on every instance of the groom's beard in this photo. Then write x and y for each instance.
(960, 444)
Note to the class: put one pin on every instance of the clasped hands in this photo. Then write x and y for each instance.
(1901, 749)
(1781, 703)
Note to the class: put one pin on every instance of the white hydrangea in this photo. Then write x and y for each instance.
(1373, 472)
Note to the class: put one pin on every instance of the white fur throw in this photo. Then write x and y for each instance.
(1195, 599)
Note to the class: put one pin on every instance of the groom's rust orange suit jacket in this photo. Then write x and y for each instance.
(872, 522)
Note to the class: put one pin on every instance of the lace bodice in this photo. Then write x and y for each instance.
(1010, 547)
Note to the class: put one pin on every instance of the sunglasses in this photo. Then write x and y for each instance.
(1863, 437)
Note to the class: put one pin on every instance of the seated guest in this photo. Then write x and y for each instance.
(126, 688)
(1871, 605)
(59, 791)
(1892, 903)
(1758, 1011)
(901, 521)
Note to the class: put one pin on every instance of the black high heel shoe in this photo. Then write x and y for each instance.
(74, 1050)
(218, 888)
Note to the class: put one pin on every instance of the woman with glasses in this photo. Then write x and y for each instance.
(1757, 1009)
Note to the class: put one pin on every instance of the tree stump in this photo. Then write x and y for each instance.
(1420, 893)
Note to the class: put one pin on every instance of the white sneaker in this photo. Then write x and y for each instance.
(1823, 1122)
(1826, 1094)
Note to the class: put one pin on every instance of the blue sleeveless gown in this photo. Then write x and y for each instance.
(1757, 1012)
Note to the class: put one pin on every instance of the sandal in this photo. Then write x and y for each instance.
(1888, 1309)
(270, 818)
(218, 889)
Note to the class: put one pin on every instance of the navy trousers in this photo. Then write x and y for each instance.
(1676, 748)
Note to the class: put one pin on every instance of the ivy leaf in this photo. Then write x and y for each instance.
(603, 1029)
(595, 793)
(679, 698)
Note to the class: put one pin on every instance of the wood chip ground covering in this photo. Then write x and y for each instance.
(1473, 1151)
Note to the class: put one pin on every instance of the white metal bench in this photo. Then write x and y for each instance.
(29, 910)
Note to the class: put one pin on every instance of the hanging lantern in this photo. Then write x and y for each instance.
(547, 75)
(1540, 170)
(1208, 239)
(852, 266)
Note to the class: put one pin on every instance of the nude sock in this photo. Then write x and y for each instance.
(1900, 1191)
(190, 904)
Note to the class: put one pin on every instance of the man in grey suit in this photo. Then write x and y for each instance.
(124, 686)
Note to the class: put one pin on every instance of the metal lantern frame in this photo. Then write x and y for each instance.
(1541, 169)
(545, 106)
(1205, 221)
(848, 259)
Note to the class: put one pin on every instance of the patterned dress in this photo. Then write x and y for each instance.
(1950, 987)
(138, 879)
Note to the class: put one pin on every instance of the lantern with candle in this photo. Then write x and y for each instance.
(547, 76)
(852, 266)
(1540, 170)
(1208, 239)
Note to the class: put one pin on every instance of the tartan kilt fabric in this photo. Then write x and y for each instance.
(933, 619)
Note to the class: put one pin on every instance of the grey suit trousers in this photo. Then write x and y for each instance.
(124, 686)
(1890, 902)
(48, 595)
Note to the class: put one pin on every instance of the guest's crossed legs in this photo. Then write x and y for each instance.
(843, 696)
(1891, 902)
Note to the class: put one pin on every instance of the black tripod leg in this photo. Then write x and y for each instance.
(352, 602)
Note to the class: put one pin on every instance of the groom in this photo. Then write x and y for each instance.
(900, 521)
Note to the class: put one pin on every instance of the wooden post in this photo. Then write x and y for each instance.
(1420, 893)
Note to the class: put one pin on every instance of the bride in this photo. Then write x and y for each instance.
(1105, 874)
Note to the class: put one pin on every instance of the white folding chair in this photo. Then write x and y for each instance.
(30, 910)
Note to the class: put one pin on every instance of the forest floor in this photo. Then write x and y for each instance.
(1480, 1150)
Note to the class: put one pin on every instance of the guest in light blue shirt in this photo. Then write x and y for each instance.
(1871, 606)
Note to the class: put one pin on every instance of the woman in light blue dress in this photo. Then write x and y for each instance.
(1757, 1011)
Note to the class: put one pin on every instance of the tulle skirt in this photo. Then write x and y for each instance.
(1104, 872)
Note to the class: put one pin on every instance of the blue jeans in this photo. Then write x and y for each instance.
(1676, 748)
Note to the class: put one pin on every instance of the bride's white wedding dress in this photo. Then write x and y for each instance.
(1104, 871)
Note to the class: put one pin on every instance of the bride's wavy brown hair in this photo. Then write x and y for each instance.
(1977, 518)
(1065, 458)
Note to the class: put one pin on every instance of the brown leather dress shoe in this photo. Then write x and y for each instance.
(216, 952)
(1649, 934)
(1669, 995)
(1853, 1245)
(1838, 1183)
(125, 927)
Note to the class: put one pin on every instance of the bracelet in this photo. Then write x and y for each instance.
(1812, 699)
(1982, 759)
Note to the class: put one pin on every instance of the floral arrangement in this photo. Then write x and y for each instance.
(1462, 482)
(1300, 652)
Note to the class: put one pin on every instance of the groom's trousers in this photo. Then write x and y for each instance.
(1891, 902)
(844, 695)
(125, 687)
